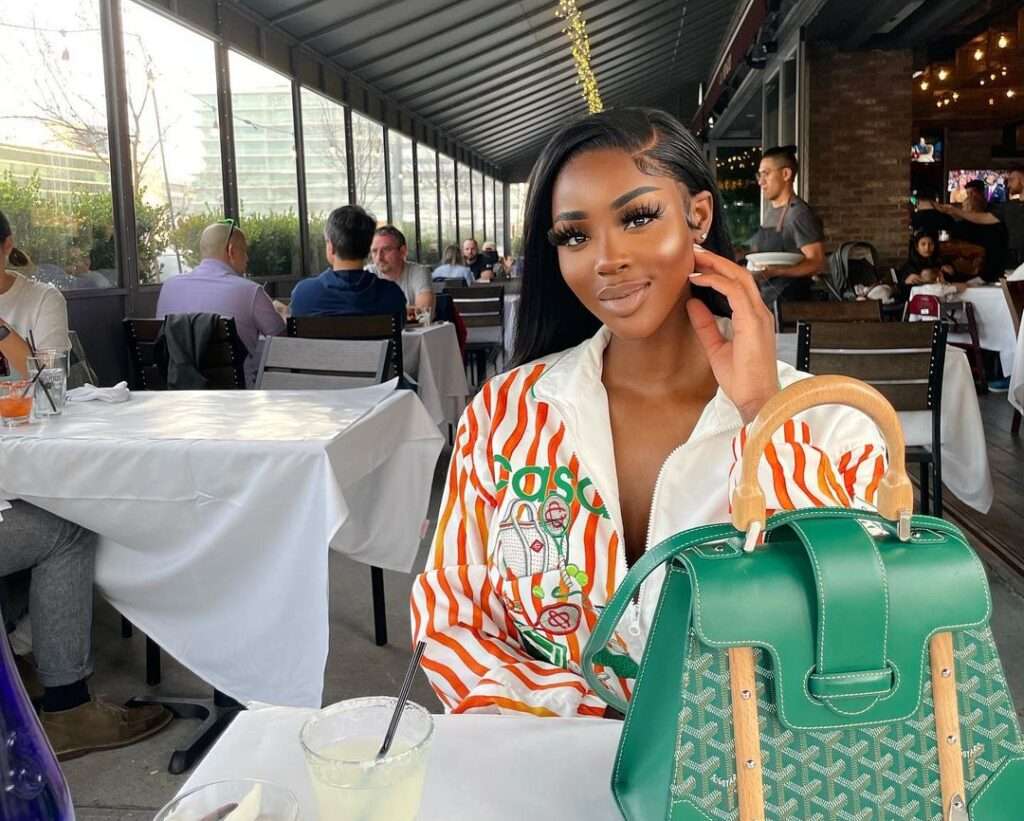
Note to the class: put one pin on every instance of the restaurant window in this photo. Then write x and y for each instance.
(426, 163)
(368, 165)
(735, 170)
(465, 214)
(175, 140)
(517, 215)
(261, 102)
(479, 230)
(54, 157)
(446, 185)
(489, 200)
(323, 137)
(788, 104)
(499, 215)
(403, 200)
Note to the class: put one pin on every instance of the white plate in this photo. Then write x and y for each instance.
(775, 258)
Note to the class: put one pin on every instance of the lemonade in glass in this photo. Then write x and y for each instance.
(340, 744)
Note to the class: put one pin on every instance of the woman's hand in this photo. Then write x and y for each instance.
(745, 366)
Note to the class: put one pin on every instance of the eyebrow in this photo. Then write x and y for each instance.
(617, 203)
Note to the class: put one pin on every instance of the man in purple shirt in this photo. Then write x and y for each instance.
(216, 286)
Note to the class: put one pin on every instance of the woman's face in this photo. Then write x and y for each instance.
(925, 246)
(624, 246)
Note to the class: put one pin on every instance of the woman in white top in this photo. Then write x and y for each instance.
(27, 305)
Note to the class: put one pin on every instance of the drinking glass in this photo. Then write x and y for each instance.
(15, 402)
(340, 743)
(268, 801)
(52, 384)
(423, 316)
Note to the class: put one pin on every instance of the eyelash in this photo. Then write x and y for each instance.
(563, 236)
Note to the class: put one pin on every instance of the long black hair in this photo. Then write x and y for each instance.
(5, 228)
(550, 317)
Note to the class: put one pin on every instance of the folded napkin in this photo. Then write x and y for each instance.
(88, 392)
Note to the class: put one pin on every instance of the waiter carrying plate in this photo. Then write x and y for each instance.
(789, 247)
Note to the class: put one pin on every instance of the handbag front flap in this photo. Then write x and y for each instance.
(844, 609)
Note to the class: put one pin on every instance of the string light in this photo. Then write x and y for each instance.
(576, 30)
(1004, 41)
(943, 74)
(979, 54)
(991, 101)
(956, 95)
(924, 85)
(1011, 93)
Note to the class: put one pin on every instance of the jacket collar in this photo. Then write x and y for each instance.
(572, 384)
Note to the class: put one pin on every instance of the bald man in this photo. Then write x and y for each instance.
(217, 286)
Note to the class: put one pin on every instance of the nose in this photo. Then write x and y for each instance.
(610, 259)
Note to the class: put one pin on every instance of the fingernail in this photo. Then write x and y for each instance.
(698, 247)
(696, 274)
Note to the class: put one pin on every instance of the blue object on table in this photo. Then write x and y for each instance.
(32, 786)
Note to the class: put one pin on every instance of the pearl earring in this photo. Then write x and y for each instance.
(703, 236)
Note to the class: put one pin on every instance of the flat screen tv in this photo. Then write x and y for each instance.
(926, 150)
(995, 184)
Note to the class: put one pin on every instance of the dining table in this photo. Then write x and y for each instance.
(217, 510)
(478, 766)
(432, 357)
(996, 329)
(965, 467)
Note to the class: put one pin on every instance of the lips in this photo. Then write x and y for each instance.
(625, 298)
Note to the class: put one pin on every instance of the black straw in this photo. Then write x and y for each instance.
(403, 696)
(39, 372)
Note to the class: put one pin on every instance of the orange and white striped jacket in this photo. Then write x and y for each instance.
(528, 549)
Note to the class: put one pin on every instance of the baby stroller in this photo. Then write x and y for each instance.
(854, 273)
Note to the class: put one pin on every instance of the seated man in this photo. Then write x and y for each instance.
(217, 286)
(60, 556)
(389, 253)
(346, 288)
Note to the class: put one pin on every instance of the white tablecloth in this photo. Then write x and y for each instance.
(216, 509)
(995, 323)
(1016, 392)
(480, 767)
(965, 469)
(431, 356)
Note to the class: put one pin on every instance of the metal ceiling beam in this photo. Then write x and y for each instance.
(870, 18)
(627, 84)
(551, 103)
(359, 67)
(294, 11)
(601, 28)
(502, 96)
(932, 17)
(316, 34)
(537, 92)
(447, 96)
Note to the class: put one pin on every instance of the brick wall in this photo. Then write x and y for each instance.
(858, 158)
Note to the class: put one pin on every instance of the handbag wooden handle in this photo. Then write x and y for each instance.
(895, 493)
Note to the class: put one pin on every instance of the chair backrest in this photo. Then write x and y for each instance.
(481, 306)
(79, 370)
(223, 365)
(923, 308)
(378, 326)
(1013, 290)
(790, 313)
(902, 360)
(295, 363)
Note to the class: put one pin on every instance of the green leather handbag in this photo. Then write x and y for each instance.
(827, 665)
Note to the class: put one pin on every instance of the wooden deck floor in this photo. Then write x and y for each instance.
(999, 534)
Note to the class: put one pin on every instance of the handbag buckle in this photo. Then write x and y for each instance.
(903, 526)
(957, 809)
(753, 535)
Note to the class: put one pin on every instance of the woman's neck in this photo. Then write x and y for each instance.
(669, 360)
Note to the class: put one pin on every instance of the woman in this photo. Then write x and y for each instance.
(452, 267)
(619, 426)
(27, 306)
(924, 267)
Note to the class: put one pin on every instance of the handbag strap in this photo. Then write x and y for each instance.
(613, 611)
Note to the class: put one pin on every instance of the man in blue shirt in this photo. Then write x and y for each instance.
(347, 288)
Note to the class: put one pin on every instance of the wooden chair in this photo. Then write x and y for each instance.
(381, 326)
(291, 363)
(959, 318)
(1014, 293)
(295, 363)
(791, 313)
(482, 306)
(903, 360)
(223, 365)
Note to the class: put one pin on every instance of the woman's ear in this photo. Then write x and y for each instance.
(702, 209)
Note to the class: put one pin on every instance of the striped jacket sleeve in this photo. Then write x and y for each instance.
(473, 657)
(824, 458)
